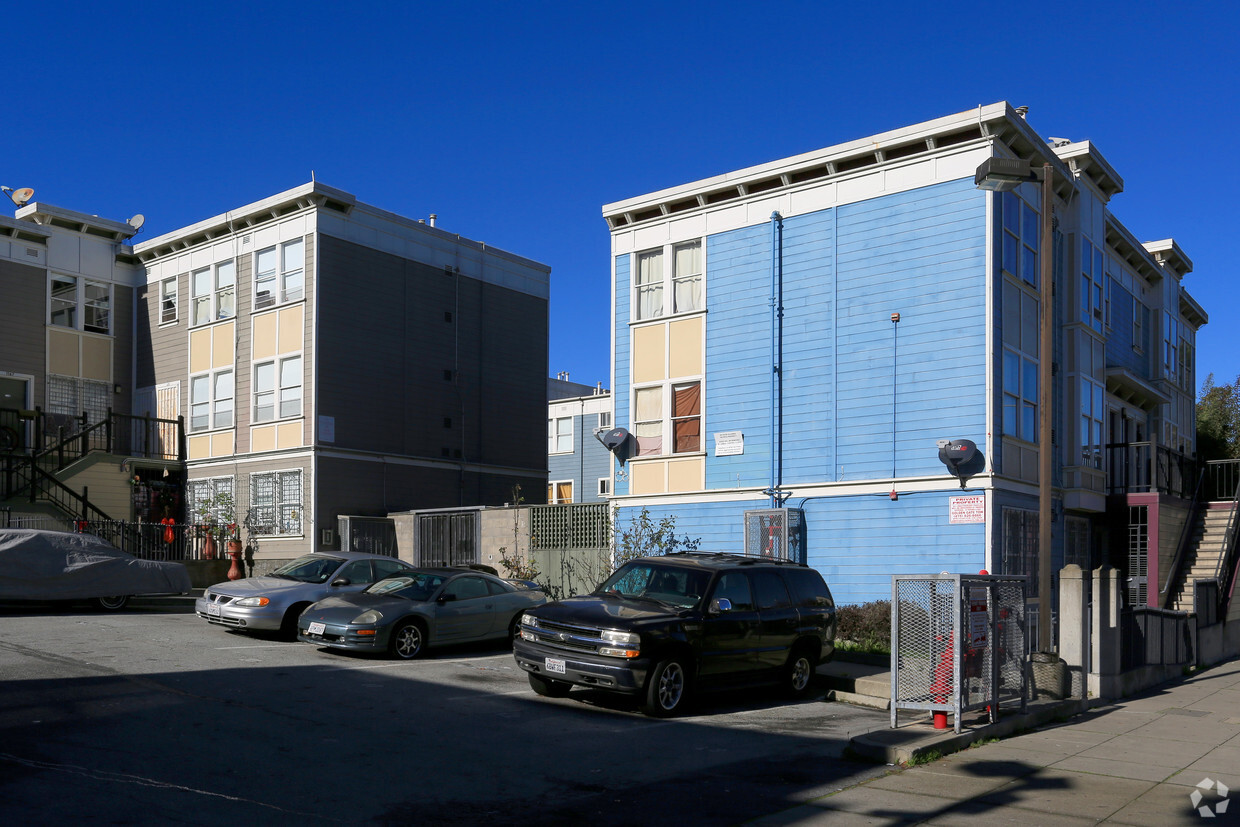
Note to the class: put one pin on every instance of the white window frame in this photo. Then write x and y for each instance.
(604, 420)
(1092, 419)
(661, 288)
(556, 436)
(281, 275)
(1093, 313)
(79, 305)
(73, 396)
(196, 489)
(211, 297)
(164, 317)
(604, 486)
(1023, 231)
(1017, 392)
(221, 407)
(553, 498)
(666, 422)
(284, 509)
(279, 389)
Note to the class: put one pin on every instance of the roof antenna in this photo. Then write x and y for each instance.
(312, 181)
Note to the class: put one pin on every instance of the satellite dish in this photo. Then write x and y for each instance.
(137, 221)
(21, 197)
(619, 442)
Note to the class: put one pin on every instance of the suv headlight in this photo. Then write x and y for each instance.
(625, 644)
(252, 601)
(528, 619)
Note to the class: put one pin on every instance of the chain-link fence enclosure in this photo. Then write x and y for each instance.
(957, 643)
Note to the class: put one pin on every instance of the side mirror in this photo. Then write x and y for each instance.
(340, 581)
(444, 598)
(720, 605)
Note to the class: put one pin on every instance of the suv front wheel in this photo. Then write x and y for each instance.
(667, 691)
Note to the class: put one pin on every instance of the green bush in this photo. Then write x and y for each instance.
(866, 627)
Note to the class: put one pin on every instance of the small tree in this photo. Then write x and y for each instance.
(1218, 420)
(643, 537)
(216, 515)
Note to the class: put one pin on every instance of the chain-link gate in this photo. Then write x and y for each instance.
(957, 643)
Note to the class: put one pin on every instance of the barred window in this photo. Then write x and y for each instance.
(202, 500)
(71, 396)
(275, 500)
(1020, 546)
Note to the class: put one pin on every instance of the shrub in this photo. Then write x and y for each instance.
(867, 626)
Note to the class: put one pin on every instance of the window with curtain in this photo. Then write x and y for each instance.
(649, 284)
(225, 290)
(560, 492)
(687, 277)
(200, 296)
(648, 421)
(168, 301)
(687, 417)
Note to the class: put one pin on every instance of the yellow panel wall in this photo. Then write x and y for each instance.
(648, 478)
(97, 358)
(62, 352)
(288, 435)
(649, 353)
(291, 329)
(686, 347)
(199, 350)
(263, 438)
(223, 341)
(264, 336)
(686, 474)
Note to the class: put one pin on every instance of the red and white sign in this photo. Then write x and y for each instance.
(967, 509)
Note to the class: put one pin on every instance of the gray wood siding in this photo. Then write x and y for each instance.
(386, 344)
(23, 343)
(122, 346)
(163, 352)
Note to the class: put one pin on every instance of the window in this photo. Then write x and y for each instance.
(225, 290)
(1138, 330)
(282, 401)
(96, 311)
(683, 282)
(200, 296)
(1092, 311)
(1171, 342)
(204, 496)
(1020, 238)
(78, 302)
(213, 292)
(560, 492)
(650, 284)
(604, 486)
(357, 572)
(1093, 397)
(467, 588)
(687, 277)
(1076, 542)
(560, 435)
(168, 301)
(1020, 396)
(211, 400)
(604, 420)
(279, 274)
(1020, 546)
(653, 425)
(275, 500)
(71, 396)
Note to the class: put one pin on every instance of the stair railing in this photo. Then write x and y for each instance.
(1225, 571)
(1174, 572)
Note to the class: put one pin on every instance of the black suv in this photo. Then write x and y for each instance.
(662, 627)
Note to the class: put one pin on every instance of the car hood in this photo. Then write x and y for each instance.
(263, 585)
(343, 608)
(594, 610)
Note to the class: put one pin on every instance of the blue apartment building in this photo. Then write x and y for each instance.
(578, 466)
(805, 334)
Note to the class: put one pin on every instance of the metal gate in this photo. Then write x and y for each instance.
(957, 643)
(447, 539)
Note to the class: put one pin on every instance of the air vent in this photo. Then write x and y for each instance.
(654, 212)
(959, 137)
(859, 162)
(903, 151)
(32, 252)
(764, 186)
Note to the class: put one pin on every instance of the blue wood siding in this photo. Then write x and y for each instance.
(856, 542)
(588, 461)
(1119, 344)
(920, 253)
(620, 391)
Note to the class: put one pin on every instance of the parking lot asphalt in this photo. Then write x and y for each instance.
(152, 715)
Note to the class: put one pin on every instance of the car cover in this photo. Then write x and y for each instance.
(56, 565)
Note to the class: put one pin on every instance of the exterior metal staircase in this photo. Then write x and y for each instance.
(1204, 554)
(1208, 555)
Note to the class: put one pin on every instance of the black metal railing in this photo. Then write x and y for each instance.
(1142, 467)
(148, 541)
(1175, 573)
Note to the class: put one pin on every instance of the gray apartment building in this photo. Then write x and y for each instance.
(327, 357)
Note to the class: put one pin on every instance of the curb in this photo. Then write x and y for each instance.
(910, 743)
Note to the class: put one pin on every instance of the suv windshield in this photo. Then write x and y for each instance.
(678, 587)
(310, 569)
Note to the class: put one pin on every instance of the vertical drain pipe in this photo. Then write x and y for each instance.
(777, 355)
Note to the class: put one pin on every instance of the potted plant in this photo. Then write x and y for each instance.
(217, 523)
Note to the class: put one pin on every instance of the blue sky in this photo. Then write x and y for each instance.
(515, 122)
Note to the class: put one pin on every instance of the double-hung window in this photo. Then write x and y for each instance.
(168, 301)
(277, 389)
(213, 293)
(200, 296)
(275, 500)
(280, 274)
(560, 435)
(680, 421)
(1020, 237)
(559, 492)
(1020, 362)
(676, 270)
(211, 400)
(83, 302)
(1093, 406)
(203, 498)
(1092, 274)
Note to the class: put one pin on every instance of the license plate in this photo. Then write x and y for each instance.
(555, 665)
(315, 629)
(213, 610)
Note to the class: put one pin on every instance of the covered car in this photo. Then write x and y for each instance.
(59, 565)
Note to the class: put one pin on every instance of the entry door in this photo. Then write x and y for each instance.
(168, 406)
(14, 397)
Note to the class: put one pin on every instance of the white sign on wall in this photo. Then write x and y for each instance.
(967, 509)
(729, 443)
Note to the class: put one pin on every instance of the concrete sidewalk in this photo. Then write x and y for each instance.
(1137, 761)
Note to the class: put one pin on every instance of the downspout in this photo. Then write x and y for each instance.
(777, 355)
